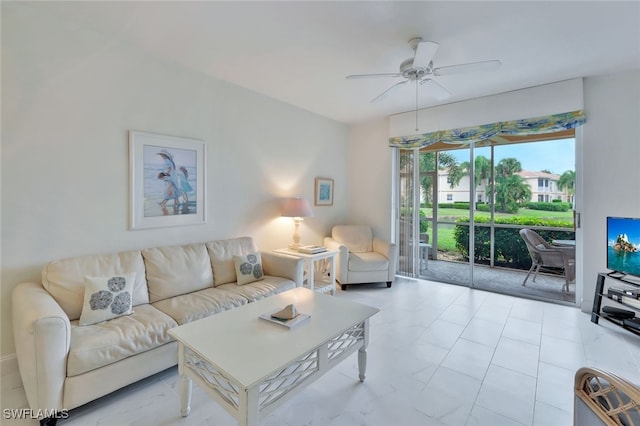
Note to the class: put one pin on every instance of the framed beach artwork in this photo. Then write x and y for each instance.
(324, 192)
(167, 178)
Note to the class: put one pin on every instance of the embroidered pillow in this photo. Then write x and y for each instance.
(106, 298)
(248, 268)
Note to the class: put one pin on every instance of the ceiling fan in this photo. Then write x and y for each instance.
(421, 71)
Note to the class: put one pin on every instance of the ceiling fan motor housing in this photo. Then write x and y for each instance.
(414, 73)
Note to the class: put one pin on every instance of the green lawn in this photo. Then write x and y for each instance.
(446, 240)
(454, 214)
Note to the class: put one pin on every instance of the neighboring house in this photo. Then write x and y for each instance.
(544, 188)
(460, 192)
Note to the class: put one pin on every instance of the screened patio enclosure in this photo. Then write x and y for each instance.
(461, 204)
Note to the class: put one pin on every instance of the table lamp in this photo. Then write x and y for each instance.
(297, 208)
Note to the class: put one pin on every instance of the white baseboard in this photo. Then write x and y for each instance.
(8, 365)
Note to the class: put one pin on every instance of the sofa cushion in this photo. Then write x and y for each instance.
(176, 270)
(199, 304)
(106, 298)
(357, 238)
(94, 346)
(222, 252)
(64, 278)
(248, 268)
(366, 262)
(260, 289)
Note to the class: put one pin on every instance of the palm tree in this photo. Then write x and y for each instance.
(456, 172)
(481, 169)
(508, 166)
(511, 189)
(568, 181)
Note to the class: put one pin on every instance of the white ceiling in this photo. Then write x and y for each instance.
(300, 52)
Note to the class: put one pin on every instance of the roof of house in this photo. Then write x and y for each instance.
(529, 174)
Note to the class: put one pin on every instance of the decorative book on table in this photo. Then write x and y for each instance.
(311, 249)
(289, 323)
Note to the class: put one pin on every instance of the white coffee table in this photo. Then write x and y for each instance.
(250, 366)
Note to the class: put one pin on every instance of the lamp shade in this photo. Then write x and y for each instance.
(297, 207)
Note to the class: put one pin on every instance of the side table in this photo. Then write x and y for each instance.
(320, 269)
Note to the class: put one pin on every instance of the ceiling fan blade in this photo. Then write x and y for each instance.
(435, 89)
(470, 67)
(391, 74)
(386, 92)
(425, 51)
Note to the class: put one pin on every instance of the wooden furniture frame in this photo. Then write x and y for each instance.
(612, 399)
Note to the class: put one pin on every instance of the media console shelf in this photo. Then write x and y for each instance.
(600, 292)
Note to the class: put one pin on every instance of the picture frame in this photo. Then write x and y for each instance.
(323, 192)
(167, 180)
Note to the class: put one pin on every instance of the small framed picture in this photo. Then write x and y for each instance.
(324, 192)
(167, 180)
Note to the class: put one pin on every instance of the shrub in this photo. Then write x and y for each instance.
(510, 248)
(556, 206)
(460, 205)
(424, 225)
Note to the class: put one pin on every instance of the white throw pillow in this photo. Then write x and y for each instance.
(248, 268)
(106, 298)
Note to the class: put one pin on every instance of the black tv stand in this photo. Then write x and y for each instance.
(596, 311)
(616, 275)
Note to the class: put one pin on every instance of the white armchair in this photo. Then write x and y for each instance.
(361, 258)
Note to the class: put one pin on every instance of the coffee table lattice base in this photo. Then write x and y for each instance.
(339, 345)
(218, 382)
(279, 383)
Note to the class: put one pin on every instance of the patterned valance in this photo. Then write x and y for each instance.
(467, 135)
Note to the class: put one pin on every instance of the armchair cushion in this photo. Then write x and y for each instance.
(371, 261)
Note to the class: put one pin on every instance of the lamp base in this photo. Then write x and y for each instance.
(294, 246)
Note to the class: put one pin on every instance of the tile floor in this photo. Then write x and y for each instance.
(439, 354)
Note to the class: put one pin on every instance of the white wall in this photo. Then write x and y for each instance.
(552, 98)
(370, 176)
(611, 162)
(69, 99)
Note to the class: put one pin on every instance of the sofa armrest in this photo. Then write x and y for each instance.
(342, 259)
(42, 334)
(282, 265)
(388, 250)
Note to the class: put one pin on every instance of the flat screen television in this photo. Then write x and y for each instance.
(623, 245)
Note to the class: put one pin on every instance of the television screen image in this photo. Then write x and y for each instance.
(623, 245)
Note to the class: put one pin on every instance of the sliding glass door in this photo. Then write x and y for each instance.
(461, 211)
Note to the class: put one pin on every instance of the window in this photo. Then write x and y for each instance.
(540, 198)
(449, 197)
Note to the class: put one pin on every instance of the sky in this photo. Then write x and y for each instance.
(557, 156)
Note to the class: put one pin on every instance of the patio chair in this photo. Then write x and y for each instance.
(545, 256)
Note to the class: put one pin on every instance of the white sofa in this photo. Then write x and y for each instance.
(64, 365)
